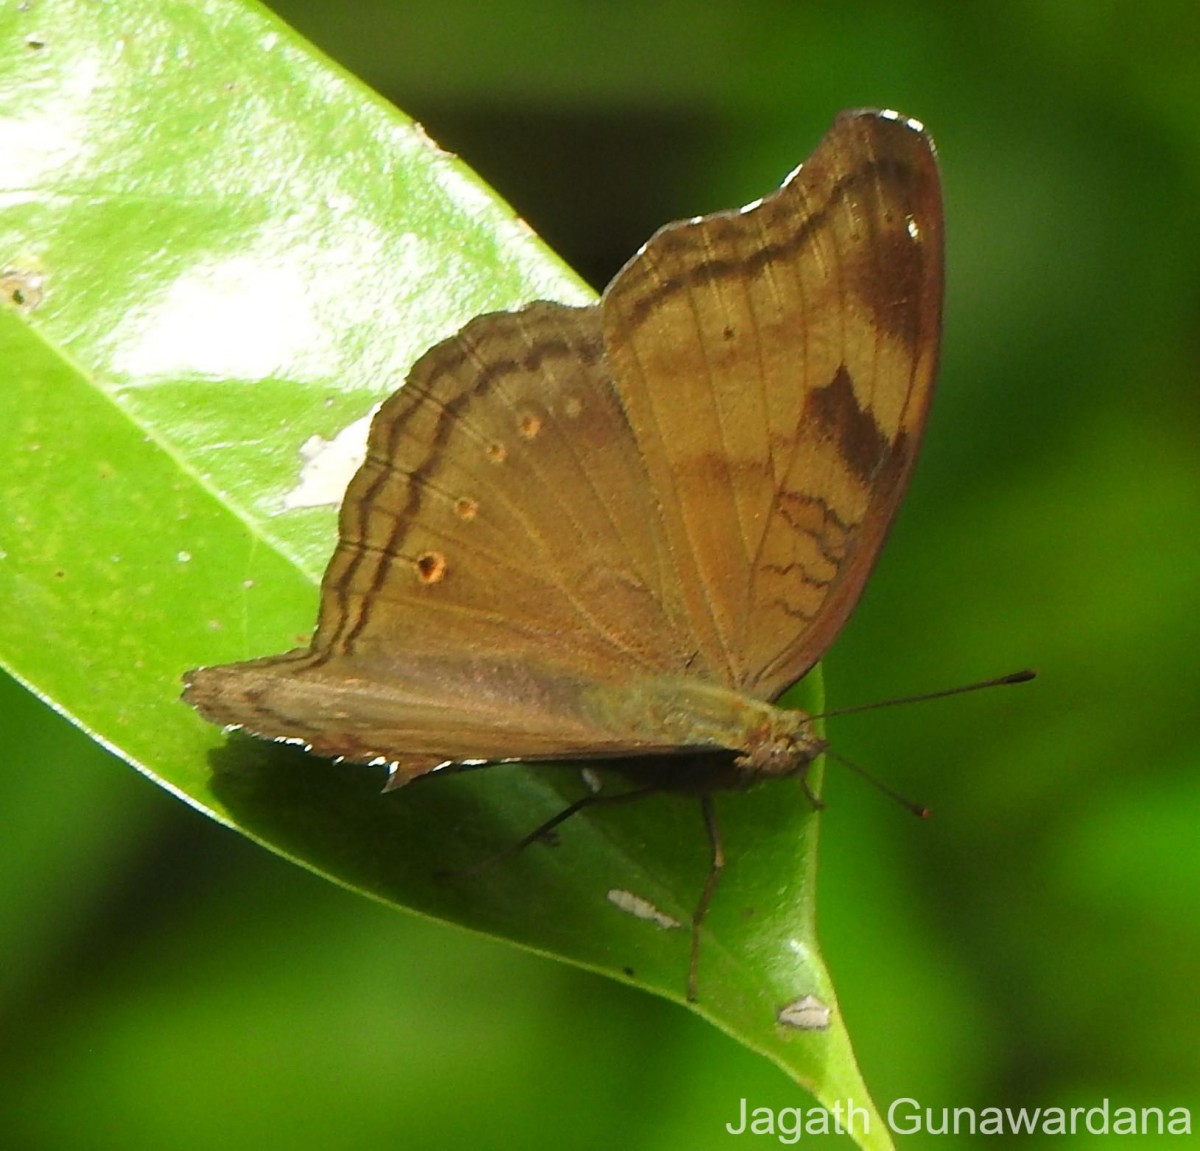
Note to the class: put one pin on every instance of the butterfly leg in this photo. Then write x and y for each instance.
(542, 829)
(818, 804)
(710, 887)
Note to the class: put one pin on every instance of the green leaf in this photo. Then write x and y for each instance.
(215, 246)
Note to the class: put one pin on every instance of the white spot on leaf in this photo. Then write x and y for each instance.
(807, 1013)
(641, 908)
(329, 465)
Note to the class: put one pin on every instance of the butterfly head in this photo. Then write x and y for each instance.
(783, 742)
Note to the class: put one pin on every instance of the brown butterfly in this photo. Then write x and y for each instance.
(623, 530)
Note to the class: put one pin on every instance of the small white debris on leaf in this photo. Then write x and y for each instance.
(641, 908)
(329, 465)
(807, 1013)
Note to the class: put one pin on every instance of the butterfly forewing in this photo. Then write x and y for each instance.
(777, 365)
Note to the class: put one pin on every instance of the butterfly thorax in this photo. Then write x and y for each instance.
(676, 714)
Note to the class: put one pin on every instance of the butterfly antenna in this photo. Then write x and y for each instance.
(1015, 677)
(917, 809)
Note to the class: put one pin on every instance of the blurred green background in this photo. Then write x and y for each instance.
(167, 984)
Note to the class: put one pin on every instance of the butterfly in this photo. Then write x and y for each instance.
(623, 530)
